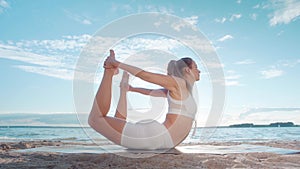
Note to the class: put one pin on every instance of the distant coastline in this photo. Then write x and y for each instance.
(242, 125)
(277, 124)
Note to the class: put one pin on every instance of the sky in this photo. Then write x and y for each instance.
(257, 42)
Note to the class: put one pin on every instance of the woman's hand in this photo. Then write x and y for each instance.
(130, 88)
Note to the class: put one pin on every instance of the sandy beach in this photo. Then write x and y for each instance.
(11, 158)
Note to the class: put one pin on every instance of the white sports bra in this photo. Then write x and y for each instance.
(187, 107)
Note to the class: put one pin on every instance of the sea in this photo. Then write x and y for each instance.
(200, 135)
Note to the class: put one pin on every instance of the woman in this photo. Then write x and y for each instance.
(177, 87)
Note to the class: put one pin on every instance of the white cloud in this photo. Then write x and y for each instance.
(141, 8)
(57, 58)
(165, 10)
(49, 53)
(264, 115)
(224, 38)
(67, 43)
(269, 115)
(3, 5)
(214, 65)
(220, 20)
(127, 8)
(192, 20)
(86, 22)
(200, 43)
(244, 62)
(239, 1)
(271, 73)
(285, 12)
(280, 33)
(78, 18)
(288, 63)
(60, 73)
(234, 17)
(256, 6)
(54, 58)
(123, 7)
(15, 53)
(232, 78)
(272, 117)
(131, 46)
(253, 16)
(154, 8)
(232, 83)
(179, 25)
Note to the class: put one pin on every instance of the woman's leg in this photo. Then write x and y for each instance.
(121, 111)
(109, 127)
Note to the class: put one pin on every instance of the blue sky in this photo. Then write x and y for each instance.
(256, 41)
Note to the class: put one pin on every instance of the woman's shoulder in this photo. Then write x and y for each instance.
(181, 82)
(181, 91)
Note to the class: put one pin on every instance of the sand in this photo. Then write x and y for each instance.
(9, 158)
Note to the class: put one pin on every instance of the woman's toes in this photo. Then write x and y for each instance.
(112, 53)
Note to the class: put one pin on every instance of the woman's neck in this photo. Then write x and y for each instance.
(190, 84)
(190, 81)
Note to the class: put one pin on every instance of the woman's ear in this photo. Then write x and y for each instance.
(187, 70)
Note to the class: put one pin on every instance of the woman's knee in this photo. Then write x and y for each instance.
(95, 119)
(91, 121)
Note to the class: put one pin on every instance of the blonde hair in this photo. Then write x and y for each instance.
(175, 68)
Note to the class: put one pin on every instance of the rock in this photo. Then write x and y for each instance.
(23, 145)
(5, 147)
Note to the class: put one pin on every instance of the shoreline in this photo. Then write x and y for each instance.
(10, 158)
(78, 126)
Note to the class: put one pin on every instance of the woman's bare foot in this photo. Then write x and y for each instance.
(108, 65)
(124, 86)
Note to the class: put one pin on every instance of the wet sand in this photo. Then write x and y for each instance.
(10, 158)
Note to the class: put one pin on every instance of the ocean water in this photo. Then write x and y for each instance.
(202, 135)
(255, 134)
(31, 133)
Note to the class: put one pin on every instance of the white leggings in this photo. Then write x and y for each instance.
(146, 134)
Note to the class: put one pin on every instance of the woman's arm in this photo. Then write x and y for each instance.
(165, 81)
(151, 92)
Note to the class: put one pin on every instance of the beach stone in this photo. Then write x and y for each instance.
(23, 145)
(5, 147)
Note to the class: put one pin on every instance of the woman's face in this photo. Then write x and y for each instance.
(195, 71)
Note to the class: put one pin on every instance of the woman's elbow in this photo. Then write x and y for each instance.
(142, 75)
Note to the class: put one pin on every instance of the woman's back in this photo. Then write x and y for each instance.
(181, 114)
(186, 107)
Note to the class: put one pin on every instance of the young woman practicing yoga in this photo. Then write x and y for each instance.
(177, 88)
